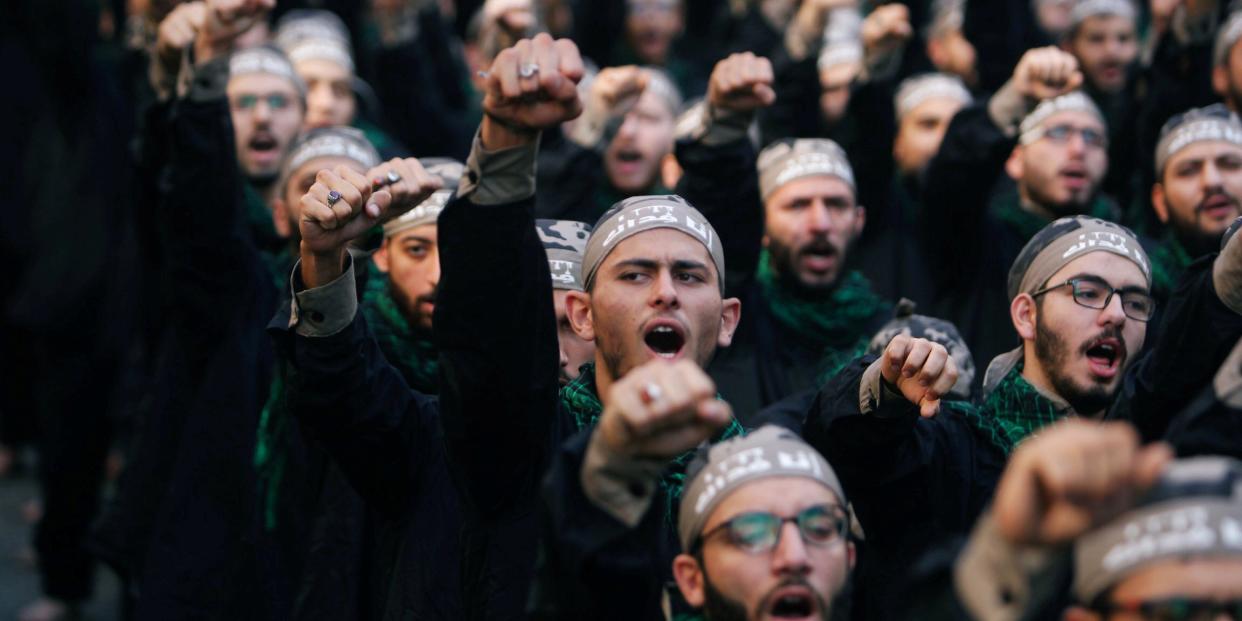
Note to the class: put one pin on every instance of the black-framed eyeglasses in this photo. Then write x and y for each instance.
(759, 531)
(1061, 134)
(1135, 303)
(1177, 609)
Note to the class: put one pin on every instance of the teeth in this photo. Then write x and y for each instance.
(668, 355)
(663, 330)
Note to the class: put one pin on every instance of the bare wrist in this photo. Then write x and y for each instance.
(496, 134)
(321, 268)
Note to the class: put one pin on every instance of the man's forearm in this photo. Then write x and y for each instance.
(319, 269)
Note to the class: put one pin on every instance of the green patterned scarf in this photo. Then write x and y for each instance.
(406, 348)
(1008, 209)
(1168, 260)
(839, 324)
(1011, 412)
(580, 400)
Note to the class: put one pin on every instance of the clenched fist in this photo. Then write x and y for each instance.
(531, 86)
(741, 83)
(1072, 477)
(1046, 72)
(660, 410)
(343, 204)
(920, 369)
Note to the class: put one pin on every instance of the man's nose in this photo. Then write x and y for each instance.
(664, 293)
(790, 554)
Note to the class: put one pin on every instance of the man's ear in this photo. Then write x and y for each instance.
(281, 218)
(578, 311)
(1013, 165)
(1078, 613)
(730, 315)
(1158, 202)
(1220, 81)
(936, 53)
(852, 553)
(689, 578)
(860, 221)
(381, 256)
(1022, 311)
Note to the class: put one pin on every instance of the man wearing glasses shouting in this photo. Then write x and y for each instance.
(764, 526)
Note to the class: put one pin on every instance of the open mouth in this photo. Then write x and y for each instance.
(792, 603)
(664, 339)
(263, 145)
(1105, 357)
(819, 257)
(1218, 205)
(1075, 177)
(629, 156)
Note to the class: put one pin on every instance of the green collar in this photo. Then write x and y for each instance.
(1008, 209)
(840, 324)
(1013, 410)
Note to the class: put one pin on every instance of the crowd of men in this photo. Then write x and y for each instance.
(628, 309)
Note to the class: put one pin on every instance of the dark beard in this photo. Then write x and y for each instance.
(1052, 352)
(787, 276)
(1060, 210)
(718, 607)
(408, 307)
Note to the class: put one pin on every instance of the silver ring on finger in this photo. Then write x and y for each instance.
(392, 177)
(528, 70)
(333, 197)
(652, 393)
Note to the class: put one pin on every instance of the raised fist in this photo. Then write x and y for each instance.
(225, 21)
(178, 30)
(615, 89)
(532, 86)
(920, 369)
(741, 83)
(1072, 477)
(886, 30)
(343, 203)
(660, 410)
(1046, 72)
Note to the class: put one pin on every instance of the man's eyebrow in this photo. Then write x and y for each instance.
(1096, 278)
(688, 264)
(646, 264)
(415, 238)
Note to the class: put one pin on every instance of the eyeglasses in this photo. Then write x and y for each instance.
(275, 101)
(1061, 134)
(1178, 609)
(1135, 303)
(760, 531)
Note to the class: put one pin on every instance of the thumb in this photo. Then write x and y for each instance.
(1075, 81)
(1150, 464)
(378, 205)
(765, 94)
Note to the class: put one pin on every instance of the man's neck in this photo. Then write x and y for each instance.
(1030, 205)
(1033, 373)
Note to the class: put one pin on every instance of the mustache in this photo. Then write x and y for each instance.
(1112, 332)
(1215, 193)
(819, 246)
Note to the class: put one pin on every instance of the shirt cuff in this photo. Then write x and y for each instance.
(499, 177)
(711, 126)
(324, 310)
(874, 392)
(622, 487)
(1007, 108)
(995, 579)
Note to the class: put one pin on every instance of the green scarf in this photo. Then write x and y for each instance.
(579, 399)
(1168, 260)
(406, 348)
(1008, 209)
(840, 324)
(1011, 412)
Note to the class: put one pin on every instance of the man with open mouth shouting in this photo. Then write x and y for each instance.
(652, 301)
(1080, 301)
(1052, 142)
(1198, 188)
(790, 217)
(765, 530)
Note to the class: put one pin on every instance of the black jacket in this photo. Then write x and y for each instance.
(459, 476)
